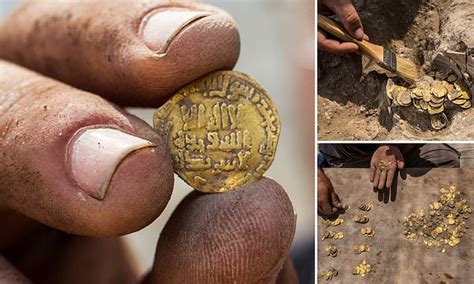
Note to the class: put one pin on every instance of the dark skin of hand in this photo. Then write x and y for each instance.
(67, 68)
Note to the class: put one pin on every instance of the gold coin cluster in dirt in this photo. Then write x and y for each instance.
(431, 96)
(444, 225)
(363, 268)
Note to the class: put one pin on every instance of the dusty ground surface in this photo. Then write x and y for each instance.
(353, 106)
(395, 259)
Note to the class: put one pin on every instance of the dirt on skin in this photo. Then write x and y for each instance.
(353, 106)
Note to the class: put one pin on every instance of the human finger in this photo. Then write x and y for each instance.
(75, 162)
(137, 53)
(346, 12)
(375, 183)
(336, 202)
(251, 229)
(333, 46)
(390, 176)
(382, 180)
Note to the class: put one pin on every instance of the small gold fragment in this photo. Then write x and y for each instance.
(454, 242)
(333, 223)
(222, 131)
(360, 219)
(332, 251)
(366, 207)
(329, 274)
(362, 269)
(332, 235)
(368, 232)
(361, 249)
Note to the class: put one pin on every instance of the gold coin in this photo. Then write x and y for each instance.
(439, 91)
(417, 93)
(437, 110)
(416, 103)
(222, 131)
(426, 95)
(437, 100)
(424, 105)
(466, 105)
(459, 101)
(439, 121)
(404, 98)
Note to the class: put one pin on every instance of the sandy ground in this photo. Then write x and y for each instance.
(353, 106)
(395, 259)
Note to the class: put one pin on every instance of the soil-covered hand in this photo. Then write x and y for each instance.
(383, 166)
(328, 201)
(75, 163)
(349, 17)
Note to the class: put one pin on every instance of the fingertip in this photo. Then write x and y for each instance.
(401, 165)
(359, 34)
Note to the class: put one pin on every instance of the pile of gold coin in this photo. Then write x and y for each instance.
(431, 96)
(444, 225)
(361, 249)
(222, 131)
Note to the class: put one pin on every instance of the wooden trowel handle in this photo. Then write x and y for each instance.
(335, 29)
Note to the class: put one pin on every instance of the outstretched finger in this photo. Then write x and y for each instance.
(390, 176)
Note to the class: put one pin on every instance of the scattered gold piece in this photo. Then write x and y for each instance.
(431, 96)
(361, 249)
(222, 131)
(329, 274)
(334, 223)
(366, 207)
(368, 232)
(332, 235)
(362, 269)
(332, 251)
(360, 219)
(444, 225)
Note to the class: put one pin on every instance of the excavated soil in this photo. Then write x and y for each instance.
(353, 105)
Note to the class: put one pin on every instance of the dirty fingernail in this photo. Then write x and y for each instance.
(359, 33)
(161, 26)
(95, 154)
